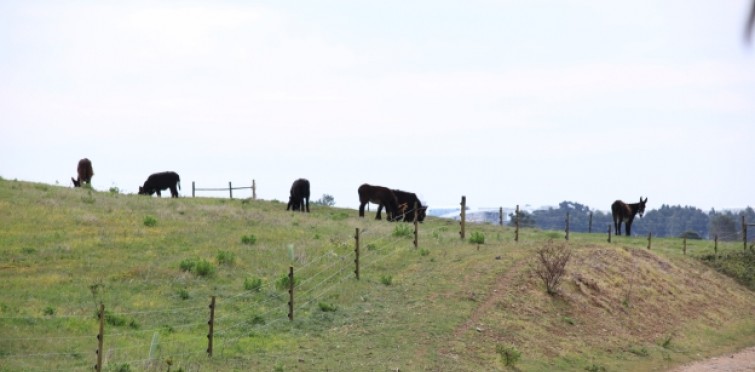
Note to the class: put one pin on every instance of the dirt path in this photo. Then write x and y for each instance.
(741, 361)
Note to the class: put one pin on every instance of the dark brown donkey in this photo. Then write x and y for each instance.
(84, 173)
(382, 196)
(625, 212)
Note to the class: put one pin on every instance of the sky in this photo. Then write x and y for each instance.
(509, 102)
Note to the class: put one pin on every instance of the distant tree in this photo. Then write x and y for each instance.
(724, 225)
(525, 219)
(326, 199)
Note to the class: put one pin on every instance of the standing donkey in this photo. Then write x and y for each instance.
(625, 212)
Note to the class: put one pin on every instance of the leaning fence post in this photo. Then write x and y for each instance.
(650, 237)
(356, 252)
(567, 225)
(416, 225)
(291, 293)
(254, 190)
(100, 338)
(715, 246)
(230, 189)
(211, 324)
(516, 231)
(463, 215)
(192, 189)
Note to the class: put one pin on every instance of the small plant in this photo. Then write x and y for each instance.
(595, 368)
(204, 268)
(509, 354)
(248, 239)
(115, 190)
(402, 230)
(477, 238)
(253, 284)
(666, 342)
(150, 221)
(386, 280)
(326, 307)
(569, 320)
(183, 294)
(49, 311)
(284, 282)
(257, 320)
(552, 260)
(187, 265)
(125, 367)
(643, 352)
(424, 252)
(371, 247)
(226, 258)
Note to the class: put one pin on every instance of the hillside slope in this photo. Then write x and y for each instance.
(448, 305)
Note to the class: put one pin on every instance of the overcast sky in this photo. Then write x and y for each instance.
(507, 102)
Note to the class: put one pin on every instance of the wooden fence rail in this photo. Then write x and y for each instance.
(230, 189)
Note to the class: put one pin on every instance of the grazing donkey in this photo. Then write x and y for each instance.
(625, 212)
(382, 196)
(161, 181)
(299, 197)
(84, 173)
(406, 201)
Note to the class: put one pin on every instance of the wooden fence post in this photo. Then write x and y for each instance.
(500, 216)
(609, 233)
(192, 189)
(567, 226)
(230, 189)
(291, 293)
(211, 324)
(715, 246)
(416, 225)
(254, 190)
(516, 230)
(463, 215)
(650, 237)
(100, 338)
(744, 233)
(589, 225)
(356, 252)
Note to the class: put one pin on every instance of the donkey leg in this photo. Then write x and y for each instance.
(629, 227)
(380, 209)
(361, 209)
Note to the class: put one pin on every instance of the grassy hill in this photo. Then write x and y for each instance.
(449, 305)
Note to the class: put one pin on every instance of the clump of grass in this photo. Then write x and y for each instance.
(595, 368)
(183, 294)
(49, 311)
(477, 238)
(198, 267)
(402, 230)
(115, 190)
(253, 284)
(386, 280)
(248, 239)
(284, 282)
(326, 307)
(226, 258)
(424, 252)
(643, 352)
(509, 354)
(150, 221)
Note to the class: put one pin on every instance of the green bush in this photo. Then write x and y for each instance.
(509, 354)
(150, 221)
(253, 284)
(424, 252)
(248, 239)
(386, 279)
(402, 229)
(187, 265)
(284, 282)
(183, 294)
(326, 307)
(226, 258)
(204, 268)
(477, 238)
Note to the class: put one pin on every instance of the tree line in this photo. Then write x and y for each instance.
(667, 221)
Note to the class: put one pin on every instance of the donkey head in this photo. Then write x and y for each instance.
(76, 183)
(641, 209)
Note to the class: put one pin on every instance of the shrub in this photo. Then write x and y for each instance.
(49, 311)
(226, 258)
(183, 294)
(187, 265)
(248, 239)
(509, 354)
(402, 229)
(477, 238)
(284, 282)
(253, 284)
(326, 307)
(386, 279)
(115, 190)
(150, 221)
(204, 268)
(424, 252)
(552, 260)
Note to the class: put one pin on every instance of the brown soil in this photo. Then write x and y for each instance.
(738, 362)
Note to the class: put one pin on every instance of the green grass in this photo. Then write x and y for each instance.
(64, 251)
